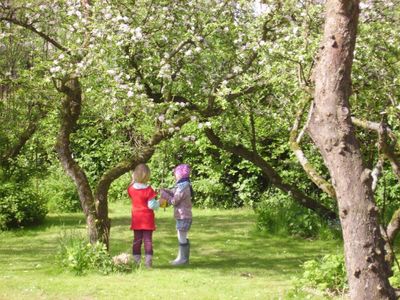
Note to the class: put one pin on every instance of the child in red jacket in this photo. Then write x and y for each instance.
(143, 205)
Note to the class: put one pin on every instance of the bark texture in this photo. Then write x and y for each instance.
(332, 131)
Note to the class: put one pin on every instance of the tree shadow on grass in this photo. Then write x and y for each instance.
(227, 243)
(63, 221)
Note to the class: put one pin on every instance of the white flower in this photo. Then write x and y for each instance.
(130, 94)
(193, 118)
(161, 118)
(111, 72)
(200, 126)
(137, 33)
(188, 52)
(236, 69)
(55, 69)
(207, 124)
(364, 5)
(124, 27)
(171, 130)
(177, 128)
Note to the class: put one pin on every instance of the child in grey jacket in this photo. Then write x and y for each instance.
(181, 198)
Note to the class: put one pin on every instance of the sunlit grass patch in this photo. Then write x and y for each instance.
(229, 260)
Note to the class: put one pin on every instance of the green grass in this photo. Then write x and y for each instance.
(229, 260)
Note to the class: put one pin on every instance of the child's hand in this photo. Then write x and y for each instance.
(163, 203)
(164, 194)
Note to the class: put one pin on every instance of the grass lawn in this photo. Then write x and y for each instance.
(229, 260)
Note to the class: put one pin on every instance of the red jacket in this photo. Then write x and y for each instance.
(142, 216)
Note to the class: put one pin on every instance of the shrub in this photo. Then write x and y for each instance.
(60, 192)
(327, 274)
(279, 214)
(79, 256)
(20, 206)
(395, 279)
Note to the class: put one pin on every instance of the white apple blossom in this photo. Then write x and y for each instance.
(124, 27)
(237, 69)
(55, 69)
(188, 52)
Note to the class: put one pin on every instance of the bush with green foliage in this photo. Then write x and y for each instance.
(395, 279)
(79, 256)
(20, 206)
(327, 274)
(278, 214)
(59, 191)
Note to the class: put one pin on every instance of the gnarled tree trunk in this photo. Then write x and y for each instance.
(332, 131)
(98, 224)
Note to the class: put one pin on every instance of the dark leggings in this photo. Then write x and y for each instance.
(147, 237)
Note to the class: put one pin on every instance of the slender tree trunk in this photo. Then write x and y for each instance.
(70, 112)
(332, 131)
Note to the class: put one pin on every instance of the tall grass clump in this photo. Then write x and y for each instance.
(79, 256)
(279, 214)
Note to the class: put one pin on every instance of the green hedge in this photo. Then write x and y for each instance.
(20, 206)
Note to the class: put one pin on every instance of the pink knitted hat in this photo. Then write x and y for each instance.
(182, 171)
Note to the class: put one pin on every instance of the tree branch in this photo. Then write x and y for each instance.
(294, 142)
(272, 175)
(34, 30)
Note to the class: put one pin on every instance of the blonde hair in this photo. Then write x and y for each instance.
(141, 174)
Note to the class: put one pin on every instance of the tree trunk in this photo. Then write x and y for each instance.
(70, 112)
(332, 131)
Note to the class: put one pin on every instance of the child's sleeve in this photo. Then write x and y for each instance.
(177, 197)
(153, 203)
(166, 194)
